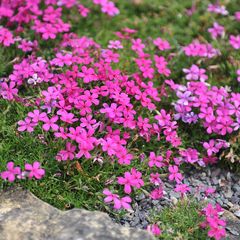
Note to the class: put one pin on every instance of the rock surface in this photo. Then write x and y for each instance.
(233, 225)
(23, 216)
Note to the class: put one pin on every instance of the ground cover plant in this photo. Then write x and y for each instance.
(100, 100)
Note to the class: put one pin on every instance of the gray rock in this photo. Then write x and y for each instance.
(237, 213)
(233, 225)
(236, 188)
(228, 193)
(23, 216)
(232, 231)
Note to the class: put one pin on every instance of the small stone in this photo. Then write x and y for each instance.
(236, 188)
(229, 193)
(155, 202)
(235, 199)
(140, 197)
(215, 181)
(174, 200)
(229, 177)
(215, 173)
(230, 204)
(237, 213)
(232, 231)
(174, 194)
(219, 200)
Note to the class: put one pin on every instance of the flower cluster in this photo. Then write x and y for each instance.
(81, 95)
(30, 171)
(213, 221)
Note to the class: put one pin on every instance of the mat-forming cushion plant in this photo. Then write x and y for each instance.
(82, 94)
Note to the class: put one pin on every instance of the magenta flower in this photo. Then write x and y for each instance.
(26, 125)
(156, 193)
(34, 170)
(109, 196)
(216, 30)
(195, 73)
(37, 116)
(210, 147)
(109, 8)
(154, 229)
(161, 44)
(174, 174)
(128, 181)
(155, 179)
(137, 45)
(235, 41)
(115, 44)
(238, 73)
(155, 160)
(8, 91)
(182, 188)
(87, 74)
(6, 37)
(124, 203)
(11, 172)
(237, 16)
(50, 123)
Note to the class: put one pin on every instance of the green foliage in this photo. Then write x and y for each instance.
(181, 222)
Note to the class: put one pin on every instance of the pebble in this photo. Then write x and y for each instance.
(237, 213)
(232, 231)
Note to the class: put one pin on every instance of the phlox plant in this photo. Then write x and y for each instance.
(81, 96)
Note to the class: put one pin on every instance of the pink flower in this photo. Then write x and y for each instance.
(155, 160)
(109, 146)
(161, 44)
(109, 196)
(182, 188)
(216, 30)
(26, 125)
(163, 118)
(87, 74)
(50, 123)
(118, 202)
(11, 172)
(68, 117)
(34, 170)
(155, 179)
(110, 8)
(137, 45)
(8, 91)
(210, 147)
(37, 116)
(174, 174)
(238, 73)
(209, 191)
(161, 65)
(213, 221)
(123, 203)
(110, 56)
(6, 37)
(115, 44)
(67, 154)
(154, 229)
(235, 41)
(237, 16)
(195, 73)
(83, 10)
(128, 181)
(157, 193)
